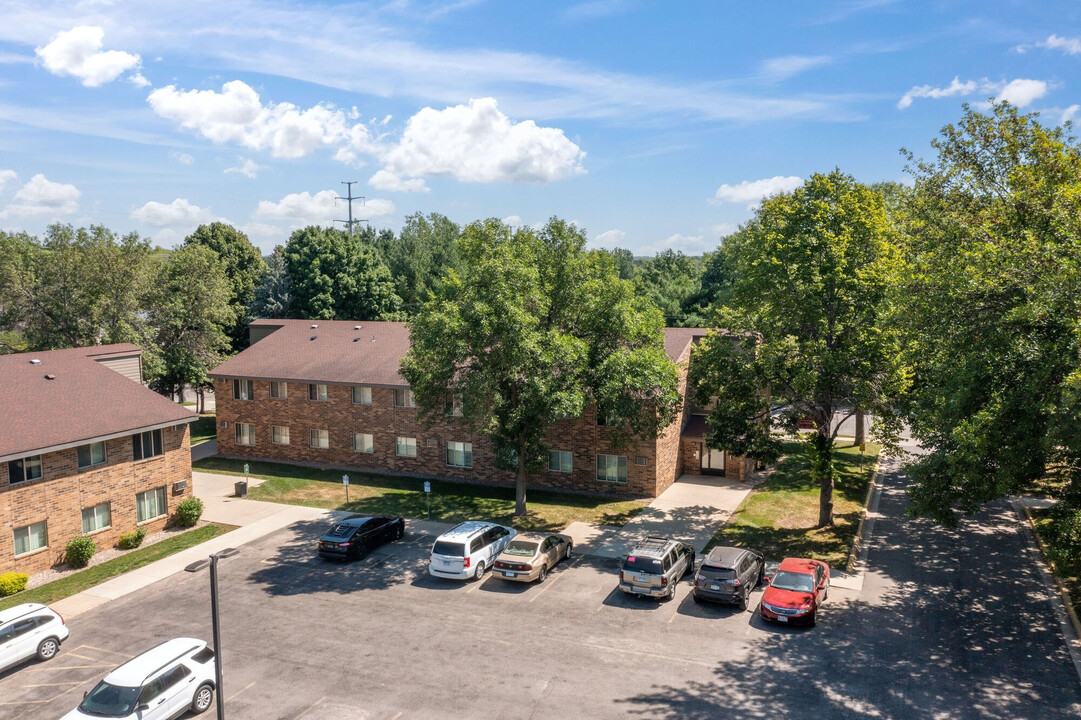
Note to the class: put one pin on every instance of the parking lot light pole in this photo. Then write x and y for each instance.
(212, 563)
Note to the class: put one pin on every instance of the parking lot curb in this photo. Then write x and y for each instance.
(858, 542)
(1063, 592)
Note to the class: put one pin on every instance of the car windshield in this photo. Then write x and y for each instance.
(110, 700)
(442, 547)
(717, 573)
(642, 564)
(796, 582)
(521, 547)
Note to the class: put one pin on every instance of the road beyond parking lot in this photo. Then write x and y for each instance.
(950, 624)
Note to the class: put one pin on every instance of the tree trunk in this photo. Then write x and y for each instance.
(519, 489)
(861, 431)
(199, 403)
(822, 471)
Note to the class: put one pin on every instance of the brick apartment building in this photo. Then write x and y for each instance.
(85, 449)
(329, 393)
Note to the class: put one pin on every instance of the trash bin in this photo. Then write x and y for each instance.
(241, 488)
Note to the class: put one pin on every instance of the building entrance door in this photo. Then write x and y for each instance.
(712, 461)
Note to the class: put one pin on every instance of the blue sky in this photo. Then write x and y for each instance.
(652, 125)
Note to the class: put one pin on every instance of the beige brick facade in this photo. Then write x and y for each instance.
(64, 490)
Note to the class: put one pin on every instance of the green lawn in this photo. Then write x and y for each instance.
(203, 429)
(1040, 520)
(84, 579)
(779, 517)
(451, 502)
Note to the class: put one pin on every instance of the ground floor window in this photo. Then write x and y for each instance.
(92, 454)
(245, 433)
(405, 447)
(151, 504)
(560, 460)
(279, 435)
(319, 439)
(97, 518)
(23, 469)
(363, 443)
(460, 454)
(612, 468)
(31, 538)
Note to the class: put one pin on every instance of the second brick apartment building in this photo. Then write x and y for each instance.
(329, 393)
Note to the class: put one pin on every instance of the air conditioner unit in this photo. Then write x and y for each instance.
(179, 487)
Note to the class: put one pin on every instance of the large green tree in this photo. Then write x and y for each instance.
(532, 330)
(273, 292)
(805, 328)
(990, 307)
(336, 276)
(420, 256)
(243, 266)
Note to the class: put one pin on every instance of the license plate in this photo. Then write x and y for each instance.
(642, 579)
(714, 587)
(782, 618)
(508, 574)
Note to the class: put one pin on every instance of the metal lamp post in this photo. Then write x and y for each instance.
(212, 563)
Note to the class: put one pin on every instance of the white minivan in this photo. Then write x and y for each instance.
(468, 549)
(163, 683)
(29, 630)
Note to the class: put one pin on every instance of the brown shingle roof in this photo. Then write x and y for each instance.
(83, 401)
(335, 357)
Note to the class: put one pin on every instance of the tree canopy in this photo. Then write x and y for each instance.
(273, 291)
(243, 265)
(420, 256)
(532, 330)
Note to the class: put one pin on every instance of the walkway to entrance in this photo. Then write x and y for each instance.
(692, 510)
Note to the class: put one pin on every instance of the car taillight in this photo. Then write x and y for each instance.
(59, 616)
(465, 563)
(734, 582)
(526, 568)
(664, 581)
(344, 544)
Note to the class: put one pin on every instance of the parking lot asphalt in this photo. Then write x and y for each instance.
(949, 624)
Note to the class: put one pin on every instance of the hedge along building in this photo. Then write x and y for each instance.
(85, 449)
(328, 393)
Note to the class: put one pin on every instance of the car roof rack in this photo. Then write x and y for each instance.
(655, 544)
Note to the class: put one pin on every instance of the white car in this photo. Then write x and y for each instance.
(164, 682)
(468, 549)
(29, 630)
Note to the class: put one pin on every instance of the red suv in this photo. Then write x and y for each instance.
(795, 591)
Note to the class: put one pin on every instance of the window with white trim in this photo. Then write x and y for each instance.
(242, 389)
(612, 468)
(23, 469)
(363, 443)
(91, 455)
(319, 439)
(279, 390)
(279, 434)
(97, 518)
(151, 504)
(560, 460)
(317, 393)
(403, 398)
(31, 537)
(362, 395)
(146, 444)
(459, 454)
(405, 447)
(245, 433)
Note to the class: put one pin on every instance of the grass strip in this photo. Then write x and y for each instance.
(203, 429)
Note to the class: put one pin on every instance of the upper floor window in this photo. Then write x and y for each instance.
(317, 393)
(362, 395)
(608, 419)
(242, 389)
(453, 405)
(404, 398)
(146, 444)
(91, 455)
(279, 390)
(23, 469)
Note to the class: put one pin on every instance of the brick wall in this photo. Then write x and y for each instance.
(63, 491)
(669, 457)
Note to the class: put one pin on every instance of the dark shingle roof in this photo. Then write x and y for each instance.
(336, 352)
(83, 401)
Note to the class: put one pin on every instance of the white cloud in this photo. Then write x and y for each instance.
(182, 158)
(513, 221)
(138, 80)
(723, 229)
(178, 212)
(391, 182)
(597, 9)
(301, 209)
(780, 68)
(1070, 46)
(6, 176)
(688, 244)
(1069, 114)
(753, 192)
(1019, 92)
(42, 197)
(78, 52)
(609, 238)
(248, 168)
(478, 143)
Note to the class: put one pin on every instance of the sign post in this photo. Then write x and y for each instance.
(863, 446)
(428, 497)
(345, 481)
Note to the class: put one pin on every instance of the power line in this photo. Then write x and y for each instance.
(350, 222)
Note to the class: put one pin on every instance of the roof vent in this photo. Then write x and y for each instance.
(314, 326)
(50, 377)
(35, 361)
(356, 327)
(373, 338)
(356, 339)
(314, 337)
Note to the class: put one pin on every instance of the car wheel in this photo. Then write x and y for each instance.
(47, 648)
(401, 531)
(543, 573)
(567, 555)
(203, 697)
(697, 599)
(690, 565)
(743, 601)
(761, 575)
(479, 572)
(814, 619)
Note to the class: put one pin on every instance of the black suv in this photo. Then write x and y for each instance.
(728, 575)
(356, 535)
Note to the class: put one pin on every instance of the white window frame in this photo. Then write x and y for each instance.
(95, 517)
(365, 395)
(24, 465)
(562, 455)
(163, 511)
(363, 443)
(607, 462)
(317, 392)
(277, 437)
(92, 463)
(402, 442)
(241, 429)
(279, 390)
(30, 535)
(243, 389)
(406, 397)
(462, 449)
(144, 438)
(319, 439)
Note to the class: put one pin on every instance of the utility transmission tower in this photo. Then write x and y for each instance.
(351, 197)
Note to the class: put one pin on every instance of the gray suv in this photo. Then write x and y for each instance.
(654, 567)
(728, 575)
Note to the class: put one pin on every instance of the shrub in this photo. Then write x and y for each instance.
(12, 582)
(131, 540)
(79, 550)
(189, 511)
